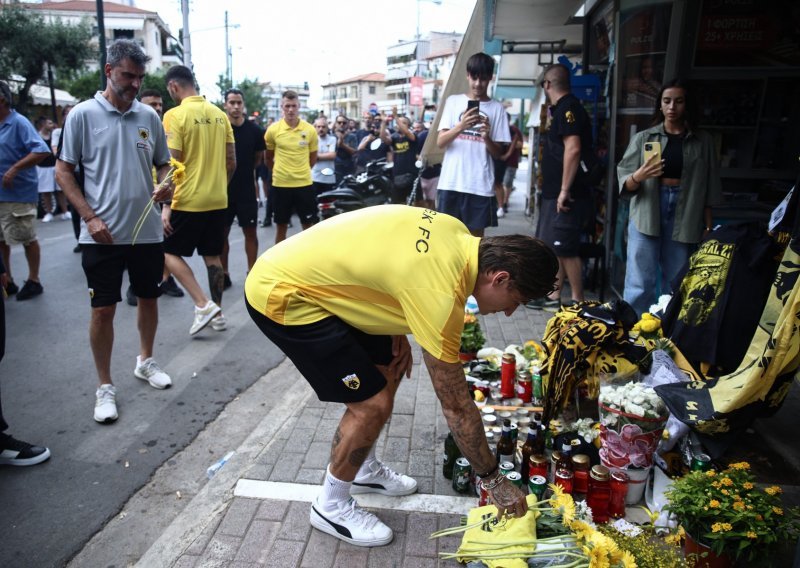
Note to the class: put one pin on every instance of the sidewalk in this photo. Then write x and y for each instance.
(254, 512)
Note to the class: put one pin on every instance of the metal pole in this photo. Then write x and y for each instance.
(227, 53)
(187, 42)
(52, 93)
(101, 40)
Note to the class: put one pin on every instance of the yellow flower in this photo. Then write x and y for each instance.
(737, 498)
(581, 529)
(751, 534)
(711, 473)
(628, 560)
(725, 492)
(739, 506)
(747, 485)
(469, 318)
(726, 481)
(715, 484)
(778, 510)
(739, 465)
(714, 504)
(178, 170)
(721, 527)
(774, 490)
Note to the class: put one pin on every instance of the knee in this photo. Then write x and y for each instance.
(378, 408)
(103, 314)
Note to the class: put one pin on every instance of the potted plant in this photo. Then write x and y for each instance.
(726, 517)
(472, 338)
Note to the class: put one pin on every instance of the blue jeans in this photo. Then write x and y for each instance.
(654, 262)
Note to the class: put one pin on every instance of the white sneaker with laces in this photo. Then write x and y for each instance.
(105, 406)
(219, 323)
(203, 316)
(351, 523)
(66, 215)
(501, 212)
(148, 370)
(47, 218)
(382, 479)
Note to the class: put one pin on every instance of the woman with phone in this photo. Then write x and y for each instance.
(669, 173)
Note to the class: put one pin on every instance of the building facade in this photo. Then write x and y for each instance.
(353, 97)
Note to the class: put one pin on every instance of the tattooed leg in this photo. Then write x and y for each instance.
(216, 282)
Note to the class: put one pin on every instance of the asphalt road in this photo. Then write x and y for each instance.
(48, 512)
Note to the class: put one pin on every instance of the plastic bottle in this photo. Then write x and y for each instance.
(212, 470)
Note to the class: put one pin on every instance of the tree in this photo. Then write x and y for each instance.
(30, 44)
(252, 93)
(86, 85)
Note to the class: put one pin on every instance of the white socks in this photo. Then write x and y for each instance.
(334, 491)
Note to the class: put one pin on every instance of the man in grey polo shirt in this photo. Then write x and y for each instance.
(118, 140)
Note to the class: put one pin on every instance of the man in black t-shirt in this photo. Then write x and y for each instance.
(242, 189)
(565, 195)
(403, 145)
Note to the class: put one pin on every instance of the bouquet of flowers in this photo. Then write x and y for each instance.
(727, 512)
(632, 418)
(472, 338)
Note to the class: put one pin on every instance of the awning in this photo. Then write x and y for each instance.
(402, 50)
(529, 20)
(517, 75)
(41, 96)
(112, 23)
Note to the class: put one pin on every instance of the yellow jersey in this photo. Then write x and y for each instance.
(386, 270)
(292, 147)
(200, 131)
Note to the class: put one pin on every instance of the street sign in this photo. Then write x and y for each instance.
(416, 91)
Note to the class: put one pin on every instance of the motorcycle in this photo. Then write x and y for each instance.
(371, 187)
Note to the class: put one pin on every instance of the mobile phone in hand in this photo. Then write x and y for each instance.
(652, 149)
(473, 104)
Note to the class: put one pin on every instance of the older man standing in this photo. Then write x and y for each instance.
(21, 148)
(291, 153)
(117, 140)
(200, 136)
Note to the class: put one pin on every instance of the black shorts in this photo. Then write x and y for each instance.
(563, 231)
(245, 210)
(300, 200)
(475, 211)
(201, 230)
(104, 265)
(336, 359)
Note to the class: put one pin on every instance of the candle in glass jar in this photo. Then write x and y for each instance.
(599, 493)
(619, 489)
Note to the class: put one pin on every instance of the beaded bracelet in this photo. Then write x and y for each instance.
(494, 482)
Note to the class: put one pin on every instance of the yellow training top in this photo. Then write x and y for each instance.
(386, 270)
(200, 131)
(292, 147)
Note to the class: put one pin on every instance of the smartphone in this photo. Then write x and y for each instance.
(652, 149)
(473, 104)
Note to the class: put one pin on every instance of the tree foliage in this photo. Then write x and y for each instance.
(30, 44)
(252, 93)
(86, 85)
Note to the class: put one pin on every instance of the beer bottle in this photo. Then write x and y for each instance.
(537, 425)
(505, 447)
(527, 451)
(565, 462)
(451, 454)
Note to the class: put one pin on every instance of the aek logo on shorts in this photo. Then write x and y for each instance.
(352, 382)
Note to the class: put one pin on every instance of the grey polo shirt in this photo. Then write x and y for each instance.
(117, 152)
(700, 185)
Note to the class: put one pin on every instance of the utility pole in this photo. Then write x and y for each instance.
(101, 40)
(228, 70)
(187, 42)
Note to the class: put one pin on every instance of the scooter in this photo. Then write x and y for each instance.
(371, 187)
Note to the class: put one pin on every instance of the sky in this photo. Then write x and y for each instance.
(292, 41)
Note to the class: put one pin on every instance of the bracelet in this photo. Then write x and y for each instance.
(633, 177)
(494, 482)
(90, 218)
(490, 472)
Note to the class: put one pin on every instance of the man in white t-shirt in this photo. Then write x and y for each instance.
(323, 179)
(473, 130)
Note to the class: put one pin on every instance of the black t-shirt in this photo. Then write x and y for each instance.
(673, 156)
(49, 161)
(368, 155)
(569, 119)
(249, 139)
(404, 151)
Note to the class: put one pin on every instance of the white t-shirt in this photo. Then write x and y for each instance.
(327, 144)
(467, 165)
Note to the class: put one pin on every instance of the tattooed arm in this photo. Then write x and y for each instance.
(464, 421)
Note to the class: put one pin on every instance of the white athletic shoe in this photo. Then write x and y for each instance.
(202, 316)
(148, 370)
(501, 212)
(382, 479)
(351, 523)
(219, 323)
(47, 218)
(105, 407)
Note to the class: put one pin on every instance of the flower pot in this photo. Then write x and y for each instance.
(704, 557)
(466, 357)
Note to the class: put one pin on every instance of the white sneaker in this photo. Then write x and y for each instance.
(47, 218)
(219, 323)
(66, 215)
(351, 523)
(105, 407)
(501, 212)
(204, 315)
(148, 370)
(383, 480)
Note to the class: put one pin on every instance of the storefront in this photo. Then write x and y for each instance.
(742, 58)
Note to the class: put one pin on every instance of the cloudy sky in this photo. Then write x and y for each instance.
(293, 41)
